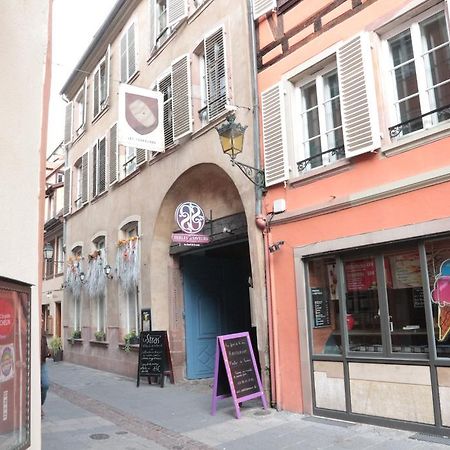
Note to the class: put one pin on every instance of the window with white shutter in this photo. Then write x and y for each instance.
(79, 111)
(113, 155)
(98, 168)
(128, 55)
(68, 124)
(274, 140)
(216, 74)
(67, 192)
(261, 7)
(101, 85)
(94, 158)
(161, 29)
(181, 101)
(418, 56)
(141, 156)
(84, 178)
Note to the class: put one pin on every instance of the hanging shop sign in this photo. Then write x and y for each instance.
(236, 372)
(140, 123)
(191, 220)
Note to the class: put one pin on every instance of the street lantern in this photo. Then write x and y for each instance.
(48, 251)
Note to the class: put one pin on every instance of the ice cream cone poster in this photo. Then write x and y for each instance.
(441, 296)
(141, 123)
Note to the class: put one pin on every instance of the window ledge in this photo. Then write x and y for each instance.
(168, 151)
(128, 177)
(101, 113)
(416, 140)
(75, 341)
(321, 172)
(134, 348)
(155, 51)
(199, 10)
(99, 196)
(76, 211)
(99, 343)
(79, 136)
(210, 125)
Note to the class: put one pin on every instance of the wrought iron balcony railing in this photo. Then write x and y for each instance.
(339, 152)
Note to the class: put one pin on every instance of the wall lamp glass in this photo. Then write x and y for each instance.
(107, 269)
(231, 135)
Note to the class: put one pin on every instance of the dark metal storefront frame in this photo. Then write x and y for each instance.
(387, 357)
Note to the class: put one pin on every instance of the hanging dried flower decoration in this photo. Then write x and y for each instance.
(95, 279)
(73, 280)
(127, 262)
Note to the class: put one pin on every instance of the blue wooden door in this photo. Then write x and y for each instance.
(216, 302)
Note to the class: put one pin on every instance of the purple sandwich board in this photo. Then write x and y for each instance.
(235, 358)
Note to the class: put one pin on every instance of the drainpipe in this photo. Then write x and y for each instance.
(272, 328)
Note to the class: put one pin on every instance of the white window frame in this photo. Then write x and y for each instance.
(136, 53)
(103, 102)
(129, 165)
(390, 87)
(79, 112)
(59, 251)
(78, 200)
(298, 113)
(77, 251)
(159, 35)
(96, 192)
(100, 244)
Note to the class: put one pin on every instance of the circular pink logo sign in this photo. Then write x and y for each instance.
(190, 217)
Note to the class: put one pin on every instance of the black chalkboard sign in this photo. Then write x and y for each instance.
(321, 309)
(235, 358)
(154, 356)
(419, 301)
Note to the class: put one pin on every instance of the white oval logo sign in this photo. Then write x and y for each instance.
(190, 217)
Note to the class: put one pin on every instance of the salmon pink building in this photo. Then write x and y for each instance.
(355, 118)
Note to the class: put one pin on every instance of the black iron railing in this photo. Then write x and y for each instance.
(416, 123)
(339, 152)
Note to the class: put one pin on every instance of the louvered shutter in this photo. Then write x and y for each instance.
(68, 124)
(274, 138)
(181, 101)
(141, 156)
(216, 77)
(101, 166)
(176, 10)
(260, 7)
(113, 155)
(85, 87)
(107, 75)
(84, 178)
(96, 92)
(67, 192)
(165, 86)
(358, 104)
(123, 58)
(94, 159)
(131, 51)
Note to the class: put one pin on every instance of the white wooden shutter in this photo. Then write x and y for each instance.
(276, 164)
(123, 58)
(141, 156)
(176, 10)
(67, 192)
(181, 100)
(131, 51)
(216, 76)
(96, 92)
(113, 155)
(94, 179)
(260, 7)
(85, 87)
(68, 124)
(84, 178)
(107, 75)
(357, 90)
(101, 162)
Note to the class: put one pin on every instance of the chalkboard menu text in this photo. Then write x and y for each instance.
(234, 355)
(321, 309)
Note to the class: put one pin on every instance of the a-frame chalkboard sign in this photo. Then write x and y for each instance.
(154, 357)
(236, 372)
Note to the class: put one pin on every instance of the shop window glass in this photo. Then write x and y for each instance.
(363, 310)
(326, 334)
(407, 321)
(438, 261)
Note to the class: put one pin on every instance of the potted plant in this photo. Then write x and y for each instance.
(56, 348)
(100, 335)
(130, 339)
(76, 334)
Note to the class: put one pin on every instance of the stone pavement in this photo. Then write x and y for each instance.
(91, 409)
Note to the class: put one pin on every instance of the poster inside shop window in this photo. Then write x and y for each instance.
(14, 366)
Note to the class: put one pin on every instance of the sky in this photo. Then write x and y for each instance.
(75, 23)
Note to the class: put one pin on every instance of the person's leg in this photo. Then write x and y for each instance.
(44, 382)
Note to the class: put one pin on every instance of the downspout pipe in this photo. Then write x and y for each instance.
(271, 314)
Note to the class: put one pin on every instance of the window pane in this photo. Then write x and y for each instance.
(434, 31)
(309, 97)
(406, 302)
(401, 48)
(326, 334)
(363, 311)
(410, 109)
(314, 151)
(438, 260)
(406, 81)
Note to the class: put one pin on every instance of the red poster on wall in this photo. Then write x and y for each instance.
(360, 275)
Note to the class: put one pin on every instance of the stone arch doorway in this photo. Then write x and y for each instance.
(198, 293)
